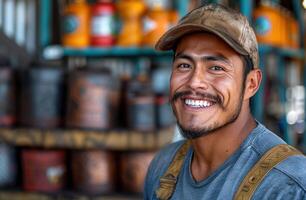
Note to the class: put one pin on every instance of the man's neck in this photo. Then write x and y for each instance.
(212, 150)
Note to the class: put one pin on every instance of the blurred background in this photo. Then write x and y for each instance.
(84, 95)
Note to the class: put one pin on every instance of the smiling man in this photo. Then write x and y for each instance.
(227, 154)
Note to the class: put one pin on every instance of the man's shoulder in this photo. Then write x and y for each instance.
(294, 168)
(287, 180)
(264, 140)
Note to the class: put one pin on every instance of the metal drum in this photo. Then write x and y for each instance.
(164, 114)
(141, 111)
(42, 97)
(7, 96)
(93, 171)
(43, 170)
(92, 99)
(133, 169)
(8, 165)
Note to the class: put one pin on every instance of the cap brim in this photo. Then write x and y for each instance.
(169, 39)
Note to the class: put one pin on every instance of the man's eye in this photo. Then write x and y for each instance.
(216, 68)
(183, 65)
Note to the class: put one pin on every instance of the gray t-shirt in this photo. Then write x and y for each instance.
(286, 181)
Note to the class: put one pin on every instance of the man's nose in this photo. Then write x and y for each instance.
(198, 79)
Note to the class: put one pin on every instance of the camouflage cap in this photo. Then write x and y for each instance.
(225, 22)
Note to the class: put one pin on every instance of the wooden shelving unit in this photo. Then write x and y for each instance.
(18, 195)
(84, 139)
(120, 140)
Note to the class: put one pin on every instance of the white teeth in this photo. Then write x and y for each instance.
(197, 103)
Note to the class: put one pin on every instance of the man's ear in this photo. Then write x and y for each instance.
(252, 83)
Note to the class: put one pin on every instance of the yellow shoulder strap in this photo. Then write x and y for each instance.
(254, 177)
(169, 179)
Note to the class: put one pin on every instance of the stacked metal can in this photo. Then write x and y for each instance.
(133, 169)
(41, 97)
(43, 170)
(8, 165)
(140, 109)
(92, 99)
(93, 171)
(7, 96)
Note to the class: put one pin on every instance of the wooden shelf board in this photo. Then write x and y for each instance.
(21, 195)
(81, 139)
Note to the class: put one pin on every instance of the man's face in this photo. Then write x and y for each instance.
(206, 87)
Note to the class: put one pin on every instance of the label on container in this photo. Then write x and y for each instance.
(149, 25)
(103, 25)
(55, 174)
(71, 24)
(262, 25)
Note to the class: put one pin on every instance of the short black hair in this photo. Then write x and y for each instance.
(248, 66)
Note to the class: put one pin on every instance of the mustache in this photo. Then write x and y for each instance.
(203, 95)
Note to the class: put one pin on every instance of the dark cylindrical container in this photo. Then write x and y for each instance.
(164, 114)
(92, 99)
(133, 169)
(43, 170)
(7, 96)
(8, 165)
(141, 113)
(42, 97)
(93, 171)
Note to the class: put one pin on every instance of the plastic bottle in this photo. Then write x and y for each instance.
(155, 23)
(103, 24)
(157, 20)
(267, 19)
(76, 25)
(130, 12)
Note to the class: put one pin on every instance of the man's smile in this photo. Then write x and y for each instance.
(198, 103)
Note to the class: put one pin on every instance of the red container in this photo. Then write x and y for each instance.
(43, 170)
(103, 24)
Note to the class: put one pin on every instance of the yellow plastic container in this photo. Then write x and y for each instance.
(156, 23)
(290, 29)
(130, 12)
(76, 28)
(286, 27)
(268, 25)
(294, 33)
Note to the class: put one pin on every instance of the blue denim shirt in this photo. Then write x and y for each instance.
(285, 181)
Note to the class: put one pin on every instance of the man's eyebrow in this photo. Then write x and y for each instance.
(213, 57)
(182, 55)
(217, 57)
